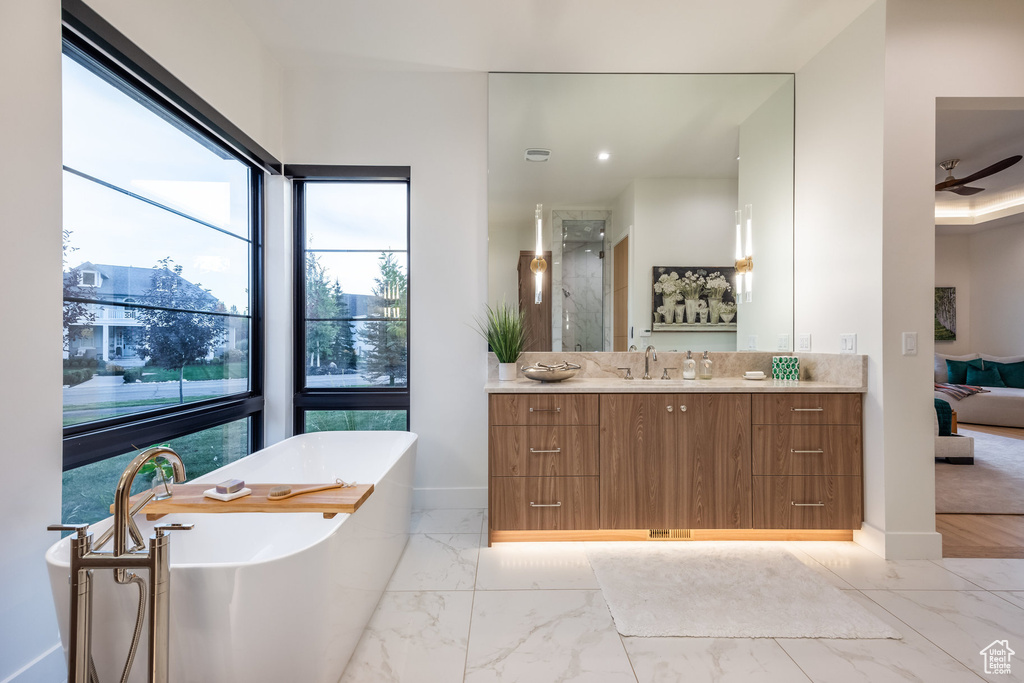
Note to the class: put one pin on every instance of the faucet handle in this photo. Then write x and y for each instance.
(161, 529)
(664, 374)
(629, 373)
(79, 529)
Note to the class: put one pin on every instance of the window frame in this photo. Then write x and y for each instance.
(84, 30)
(306, 399)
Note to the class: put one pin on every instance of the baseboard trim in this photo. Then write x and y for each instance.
(49, 666)
(459, 497)
(900, 545)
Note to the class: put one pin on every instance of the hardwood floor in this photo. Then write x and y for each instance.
(983, 535)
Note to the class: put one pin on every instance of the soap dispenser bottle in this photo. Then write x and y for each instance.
(705, 369)
(689, 367)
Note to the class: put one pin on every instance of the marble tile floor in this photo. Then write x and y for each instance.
(458, 611)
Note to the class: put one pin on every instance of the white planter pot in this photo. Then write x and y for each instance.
(506, 371)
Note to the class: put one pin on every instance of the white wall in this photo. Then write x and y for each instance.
(436, 123)
(838, 219)
(953, 269)
(766, 183)
(505, 239)
(30, 255)
(209, 47)
(187, 38)
(997, 280)
(986, 269)
(916, 73)
(679, 222)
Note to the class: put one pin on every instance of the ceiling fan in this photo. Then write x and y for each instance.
(951, 184)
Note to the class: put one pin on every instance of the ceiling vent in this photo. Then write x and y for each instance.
(537, 154)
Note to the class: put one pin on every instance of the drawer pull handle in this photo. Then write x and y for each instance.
(557, 450)
(545, 410)
(546, 505)
(682, 409)
(819, 504)
(808, 410)
(793, 450)
(668, 408)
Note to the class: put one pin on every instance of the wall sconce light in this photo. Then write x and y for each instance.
(538, 265)
(744, 254)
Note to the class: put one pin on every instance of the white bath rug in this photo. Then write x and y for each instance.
(723, 590)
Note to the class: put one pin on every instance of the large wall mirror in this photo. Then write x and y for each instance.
(638, 208)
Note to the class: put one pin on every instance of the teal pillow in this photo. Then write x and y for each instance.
(945, 415)
(989, 377)
(957, 369)
(1012, 374)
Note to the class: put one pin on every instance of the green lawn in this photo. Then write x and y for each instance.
(355, 420)
(88, 491)
(196, 373)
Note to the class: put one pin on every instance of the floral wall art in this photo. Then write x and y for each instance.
(694, 298)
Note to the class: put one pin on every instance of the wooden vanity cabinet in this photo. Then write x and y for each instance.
(807, 461)
(613, 463)
(675, 461)
(543, 462)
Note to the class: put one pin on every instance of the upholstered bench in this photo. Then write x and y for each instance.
(955, 449)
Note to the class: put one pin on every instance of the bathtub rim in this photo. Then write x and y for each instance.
(58, 555)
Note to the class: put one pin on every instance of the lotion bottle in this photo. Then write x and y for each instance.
(705, 367)
(689, 367)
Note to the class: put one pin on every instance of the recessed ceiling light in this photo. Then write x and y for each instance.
(603, 156)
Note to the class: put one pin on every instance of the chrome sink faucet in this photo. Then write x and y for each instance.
(647, 361)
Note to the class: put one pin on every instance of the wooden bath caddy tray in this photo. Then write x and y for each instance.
(190, 498)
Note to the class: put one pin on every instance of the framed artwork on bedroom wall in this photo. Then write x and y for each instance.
(945, 314)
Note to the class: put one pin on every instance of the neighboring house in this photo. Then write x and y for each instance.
(115, 333)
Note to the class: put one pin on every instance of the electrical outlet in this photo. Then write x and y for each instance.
(783, 342)
(752, 343)
(848, 343)
(910, 343)
(804, 342)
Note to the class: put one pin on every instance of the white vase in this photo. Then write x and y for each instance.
(679, 313)
(714, 308)
(506, 371)
(727, 317)
(691, 310)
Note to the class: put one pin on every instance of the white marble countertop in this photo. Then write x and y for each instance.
(615, 385)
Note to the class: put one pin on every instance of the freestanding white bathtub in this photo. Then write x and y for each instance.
(266, 597)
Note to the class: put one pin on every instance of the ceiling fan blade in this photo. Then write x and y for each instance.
(946, 184)
(994, 168)
(965, 191)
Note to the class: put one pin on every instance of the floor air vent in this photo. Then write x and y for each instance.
(669, 534)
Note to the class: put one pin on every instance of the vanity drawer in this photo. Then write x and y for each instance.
(543, 409)
(802, 450)
(807, 502)
(806, 409)
(543, 503)
(543, 451)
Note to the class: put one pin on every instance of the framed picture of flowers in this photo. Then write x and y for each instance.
(693, 299)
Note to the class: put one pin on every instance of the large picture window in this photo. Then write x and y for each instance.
(162, 225)
(352, 294)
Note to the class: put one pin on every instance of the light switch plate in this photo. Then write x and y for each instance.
(783, 342)
(804, 342)
(910, 343)
(752, 343)
(848, 343)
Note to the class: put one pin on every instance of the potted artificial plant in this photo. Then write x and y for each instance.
(505, 332)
